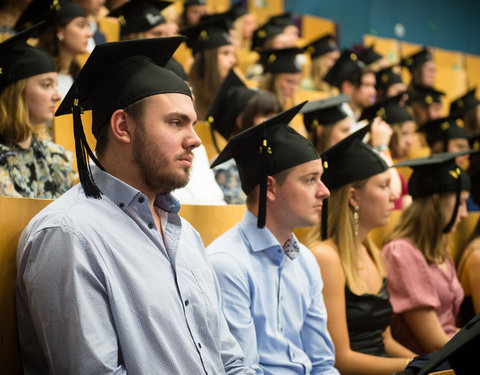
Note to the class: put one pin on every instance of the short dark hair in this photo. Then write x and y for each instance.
(262, 103)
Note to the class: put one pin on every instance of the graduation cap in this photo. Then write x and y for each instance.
(474, 167)
(386, 77)
(348, 161)
(426, 95)
(323, 113)
(177, 68)
(321, 46)
(230, 101)
(19, 60)
(262, 34)
(368, 55)
(464, 103)
(51, 11)
(188, 3)
(461, 351)
(265, 150)
(345, 68)
(228, 17)
(388, 109)
(115, 76)
(136, 16)
(281, 20)
(282, 60)
(437, 174)
(209, 32)
(417, 59)
(443, 129)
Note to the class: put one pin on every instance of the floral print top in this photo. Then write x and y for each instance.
(44, 170)
(227, 177)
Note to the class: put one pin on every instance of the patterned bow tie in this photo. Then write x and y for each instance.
(291, 248)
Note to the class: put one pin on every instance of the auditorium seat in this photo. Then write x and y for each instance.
(312, 27)
(452, 81)
(110, 27)
(472, 66)
(203, 130)
(15, 213)
(263, 12)
(389, 48)
(448, 59)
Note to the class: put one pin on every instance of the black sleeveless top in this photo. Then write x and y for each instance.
(466, 311)
(368, 316)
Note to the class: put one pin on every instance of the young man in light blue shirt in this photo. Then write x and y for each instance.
(271, 284)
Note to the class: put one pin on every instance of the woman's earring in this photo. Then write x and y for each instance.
(355, 220)
(60, 37)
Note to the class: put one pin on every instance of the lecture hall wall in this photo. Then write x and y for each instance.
(448, 24)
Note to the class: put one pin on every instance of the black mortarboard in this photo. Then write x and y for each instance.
(19, 60)
(209, 32)
(417, 59)
(348, 161)
(281, 20)
(387, 77)
(282, 60)
(368, 55)
(437, 174)
(426, 95)
(466, 102)
(177, 68)
(443, 129)
(136, 16)
(461, 351)
(188, 3)
(344, 69)
(267, 149)
(115, 76)
(474, 167)
(323, 112)
(321, 46)
(262, 34)
(388, 109)
(231, 99)
(51, 11)
(228, 17)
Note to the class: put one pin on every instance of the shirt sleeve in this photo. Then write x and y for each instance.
(235, 293)
(317, 342)
(409, 277)
(62, 288)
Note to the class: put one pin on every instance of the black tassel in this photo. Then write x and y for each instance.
(262, 198)
(449, 226)
(324, 223)
(82, 152)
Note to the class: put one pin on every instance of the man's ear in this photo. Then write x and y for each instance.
(271, 188)
(121, 126)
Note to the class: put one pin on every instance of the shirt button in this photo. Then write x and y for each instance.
(150, 225)
(199, 346)
(279, 251)
(121, 205)
(281, 329)
(141, 199)
(186, 302)
(293, 355)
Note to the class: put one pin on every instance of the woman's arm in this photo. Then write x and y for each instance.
(472, 271)
(348, 362)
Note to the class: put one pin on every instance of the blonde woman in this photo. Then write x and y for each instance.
(357, 301)
(423, 285)
(29, 166)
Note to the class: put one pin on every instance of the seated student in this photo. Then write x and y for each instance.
(423, 285)
(446, 134)
(324, 53)
(389, 83)
(193, 10)
(143, 19)
(30, 166)
(371, 58)
(468, 106)
(357, 301)
(271, 286)
(473, 202)
(425, 103)
(214, 56)
(94, 10)
(326, 121)
(421, 67)
(282, 73)
(110, 278)
(10, 11)
(237, 108)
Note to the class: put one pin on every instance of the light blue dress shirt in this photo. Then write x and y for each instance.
(98, 292)
(274, 305)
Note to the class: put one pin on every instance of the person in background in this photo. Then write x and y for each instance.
(468, 107)
(214, 56)
(30, 166)
(423, 285)
(10, 11)
(421, 67)
(271, 287)
(324, 53)
(143, 19)
(245, 26)
(389, 83)
(326, 122)
(94, 9)
(134, 273)
(282, 73)
(246, 108)
(371, 58)
(355, 279)
(64, 37)
(193, 11)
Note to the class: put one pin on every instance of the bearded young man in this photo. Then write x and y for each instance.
(110, 278)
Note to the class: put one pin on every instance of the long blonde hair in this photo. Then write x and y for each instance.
(422, 222)
(318, 71)
(15, 123)
(341, 234)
